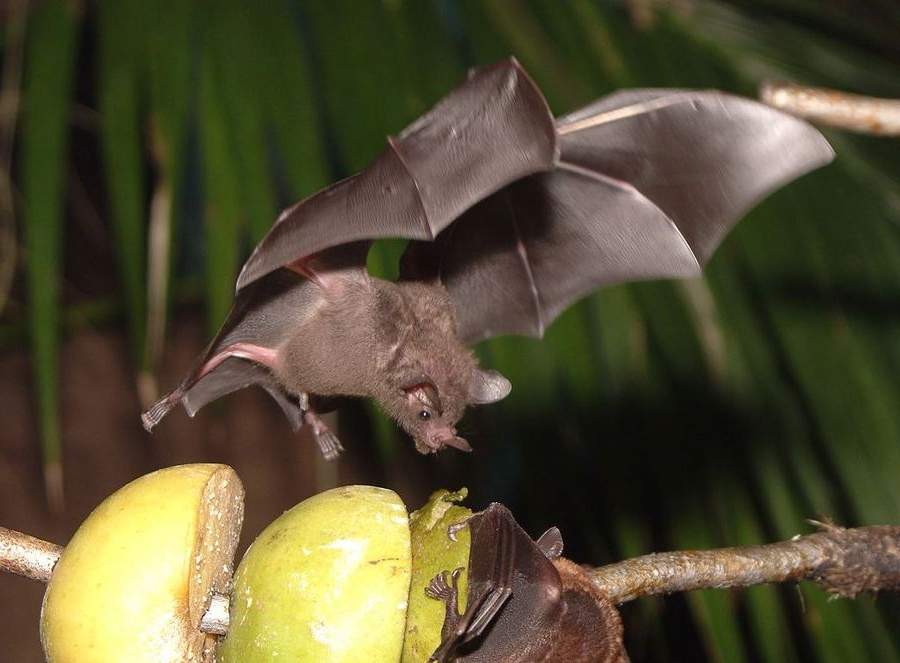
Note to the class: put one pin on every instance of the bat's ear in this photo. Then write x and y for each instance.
(422, 389)
(488, 387)
(551, 543)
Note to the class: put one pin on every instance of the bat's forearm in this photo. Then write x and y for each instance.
(843, 561)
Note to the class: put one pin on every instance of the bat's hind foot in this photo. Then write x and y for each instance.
(439, 588)
(160, 409)
(442, 590)
(329, 445)
(328, 442)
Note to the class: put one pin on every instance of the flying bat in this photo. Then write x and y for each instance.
(524, 603)
(512, 216)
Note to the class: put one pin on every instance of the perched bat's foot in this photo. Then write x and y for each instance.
(448, 592)
(441, 590)
(461, 628)
(328, 442)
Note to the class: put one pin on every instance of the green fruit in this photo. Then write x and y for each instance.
(432, 553)
(133, 582)
(327, 582)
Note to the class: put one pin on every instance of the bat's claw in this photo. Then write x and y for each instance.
(329, 445)
(438, 587)
(442, 590)
(454, 529)
(159, 410)
(328, 442)
(448, 592)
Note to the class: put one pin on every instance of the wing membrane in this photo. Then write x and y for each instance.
(257, 319)
(488, 132)
(647, 184)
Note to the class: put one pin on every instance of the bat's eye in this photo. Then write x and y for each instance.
(424, 415)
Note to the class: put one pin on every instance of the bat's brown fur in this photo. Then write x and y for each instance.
(378, 339)
(591, 629)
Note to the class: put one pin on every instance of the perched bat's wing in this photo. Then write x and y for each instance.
(262, 316)
(647, 184)
(492, 130)
(514, 604)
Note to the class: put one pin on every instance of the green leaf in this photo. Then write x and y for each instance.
(221, 177)
(51, 47)
(236, 47)
(120, 32)
(289, 100)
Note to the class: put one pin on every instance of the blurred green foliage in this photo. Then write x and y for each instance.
(722, 411)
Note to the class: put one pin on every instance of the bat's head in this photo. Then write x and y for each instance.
(430, 414)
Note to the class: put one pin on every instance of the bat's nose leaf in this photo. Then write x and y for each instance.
(458, 443)
(488, 387)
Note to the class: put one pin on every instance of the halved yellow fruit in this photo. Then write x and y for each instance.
(134, 581)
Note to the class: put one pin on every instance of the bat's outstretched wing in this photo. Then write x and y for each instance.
(264, 315)
(261, 317)
(642, 184)
(646, 185)
(492, 130)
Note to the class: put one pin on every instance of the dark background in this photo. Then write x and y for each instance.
(721, 411)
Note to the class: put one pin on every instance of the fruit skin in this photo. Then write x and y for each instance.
(432, 553)
(327, 582)
(121, 590)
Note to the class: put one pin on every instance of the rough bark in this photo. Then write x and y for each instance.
(27, 556)
(869, 115)
(843, 561)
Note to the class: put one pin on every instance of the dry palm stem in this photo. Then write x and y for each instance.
(159, 242)
(870, 115)
(844, 562)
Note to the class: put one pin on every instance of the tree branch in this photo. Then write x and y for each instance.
(844, 562)
(868, 115)
(27, 556)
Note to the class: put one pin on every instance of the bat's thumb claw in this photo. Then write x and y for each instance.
(455, 528)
